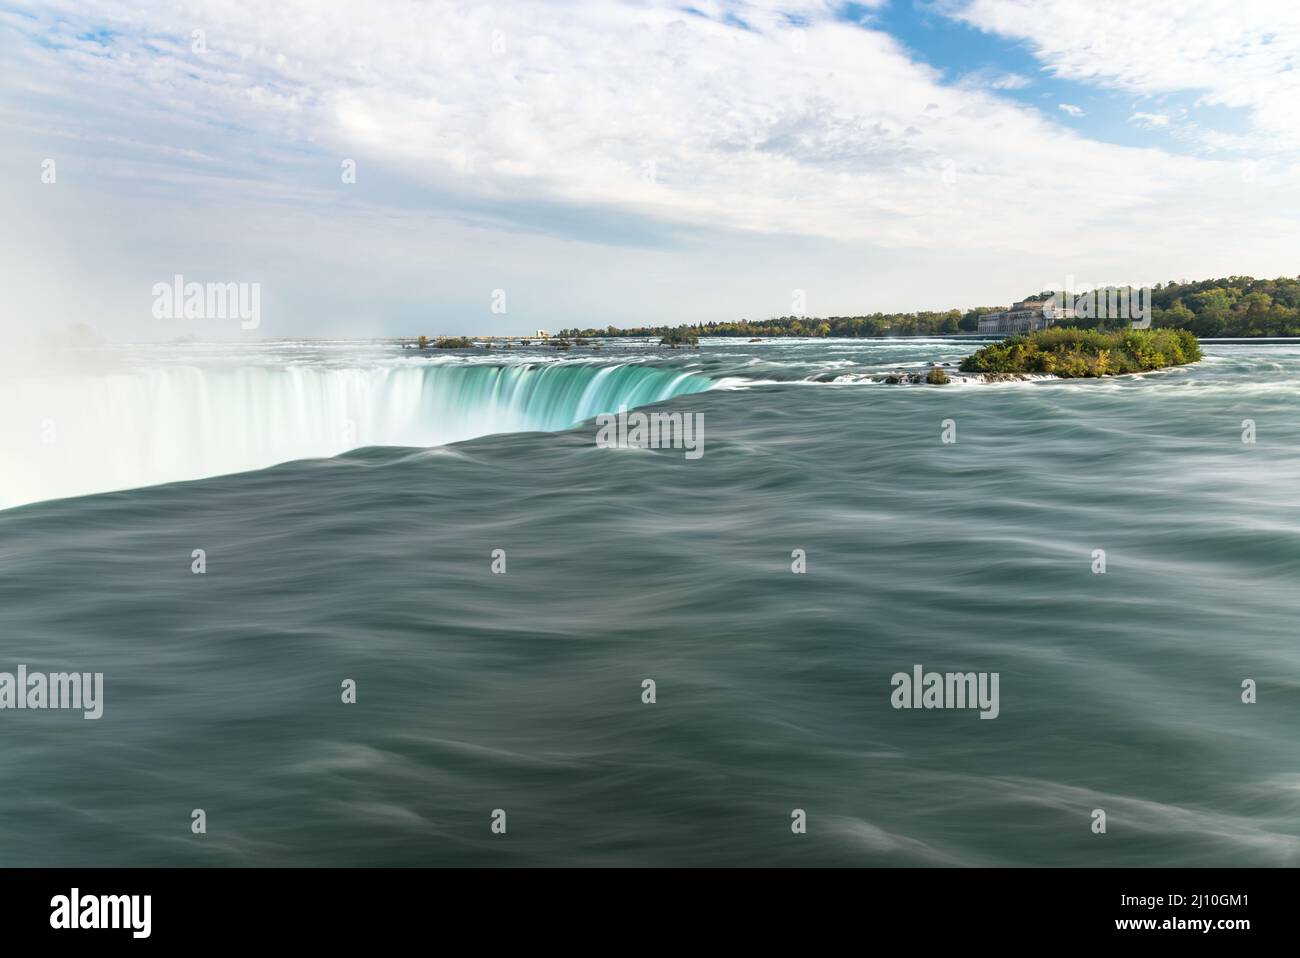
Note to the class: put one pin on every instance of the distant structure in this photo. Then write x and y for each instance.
(543, 334)
(1025, 317)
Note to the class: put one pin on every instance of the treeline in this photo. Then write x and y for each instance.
(877, 324)
(1233, 306)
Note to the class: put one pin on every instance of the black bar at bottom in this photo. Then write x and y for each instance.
(336, 906)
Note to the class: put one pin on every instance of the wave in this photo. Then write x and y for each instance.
(75, 434)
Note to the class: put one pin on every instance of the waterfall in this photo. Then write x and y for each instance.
(68, 435)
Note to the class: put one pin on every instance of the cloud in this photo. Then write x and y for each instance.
(510, 111)
(1243, 56)
(1070, 109)
(535, 140)
(992, 79)
(1010, 81)
(1150, 120)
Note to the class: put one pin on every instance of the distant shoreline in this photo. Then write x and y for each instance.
(944, 337)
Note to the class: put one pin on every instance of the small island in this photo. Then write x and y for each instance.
(1080, 353)
(681, 336)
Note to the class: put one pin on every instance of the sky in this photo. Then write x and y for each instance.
(398, 168)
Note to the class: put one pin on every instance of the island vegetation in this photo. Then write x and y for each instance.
(1231, 306)
(1076, 353)
(682, 336)
(454, 342)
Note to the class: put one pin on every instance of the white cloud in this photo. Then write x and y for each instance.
(736, 133)
(1239, 55)
(992, 79)
(1149, 119)
(1010, 81)
(1070, 109)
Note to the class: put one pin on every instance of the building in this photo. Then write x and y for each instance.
(543, 334)
(1024, 317)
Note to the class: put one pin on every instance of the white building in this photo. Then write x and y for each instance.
(1024, 317)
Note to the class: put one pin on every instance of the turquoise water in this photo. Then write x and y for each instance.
(523, 691)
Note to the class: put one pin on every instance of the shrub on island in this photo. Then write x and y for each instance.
(1078, 353)
(454, 342)
(937, 377)
(681, 336)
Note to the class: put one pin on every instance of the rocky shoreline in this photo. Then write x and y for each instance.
(941, 374)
